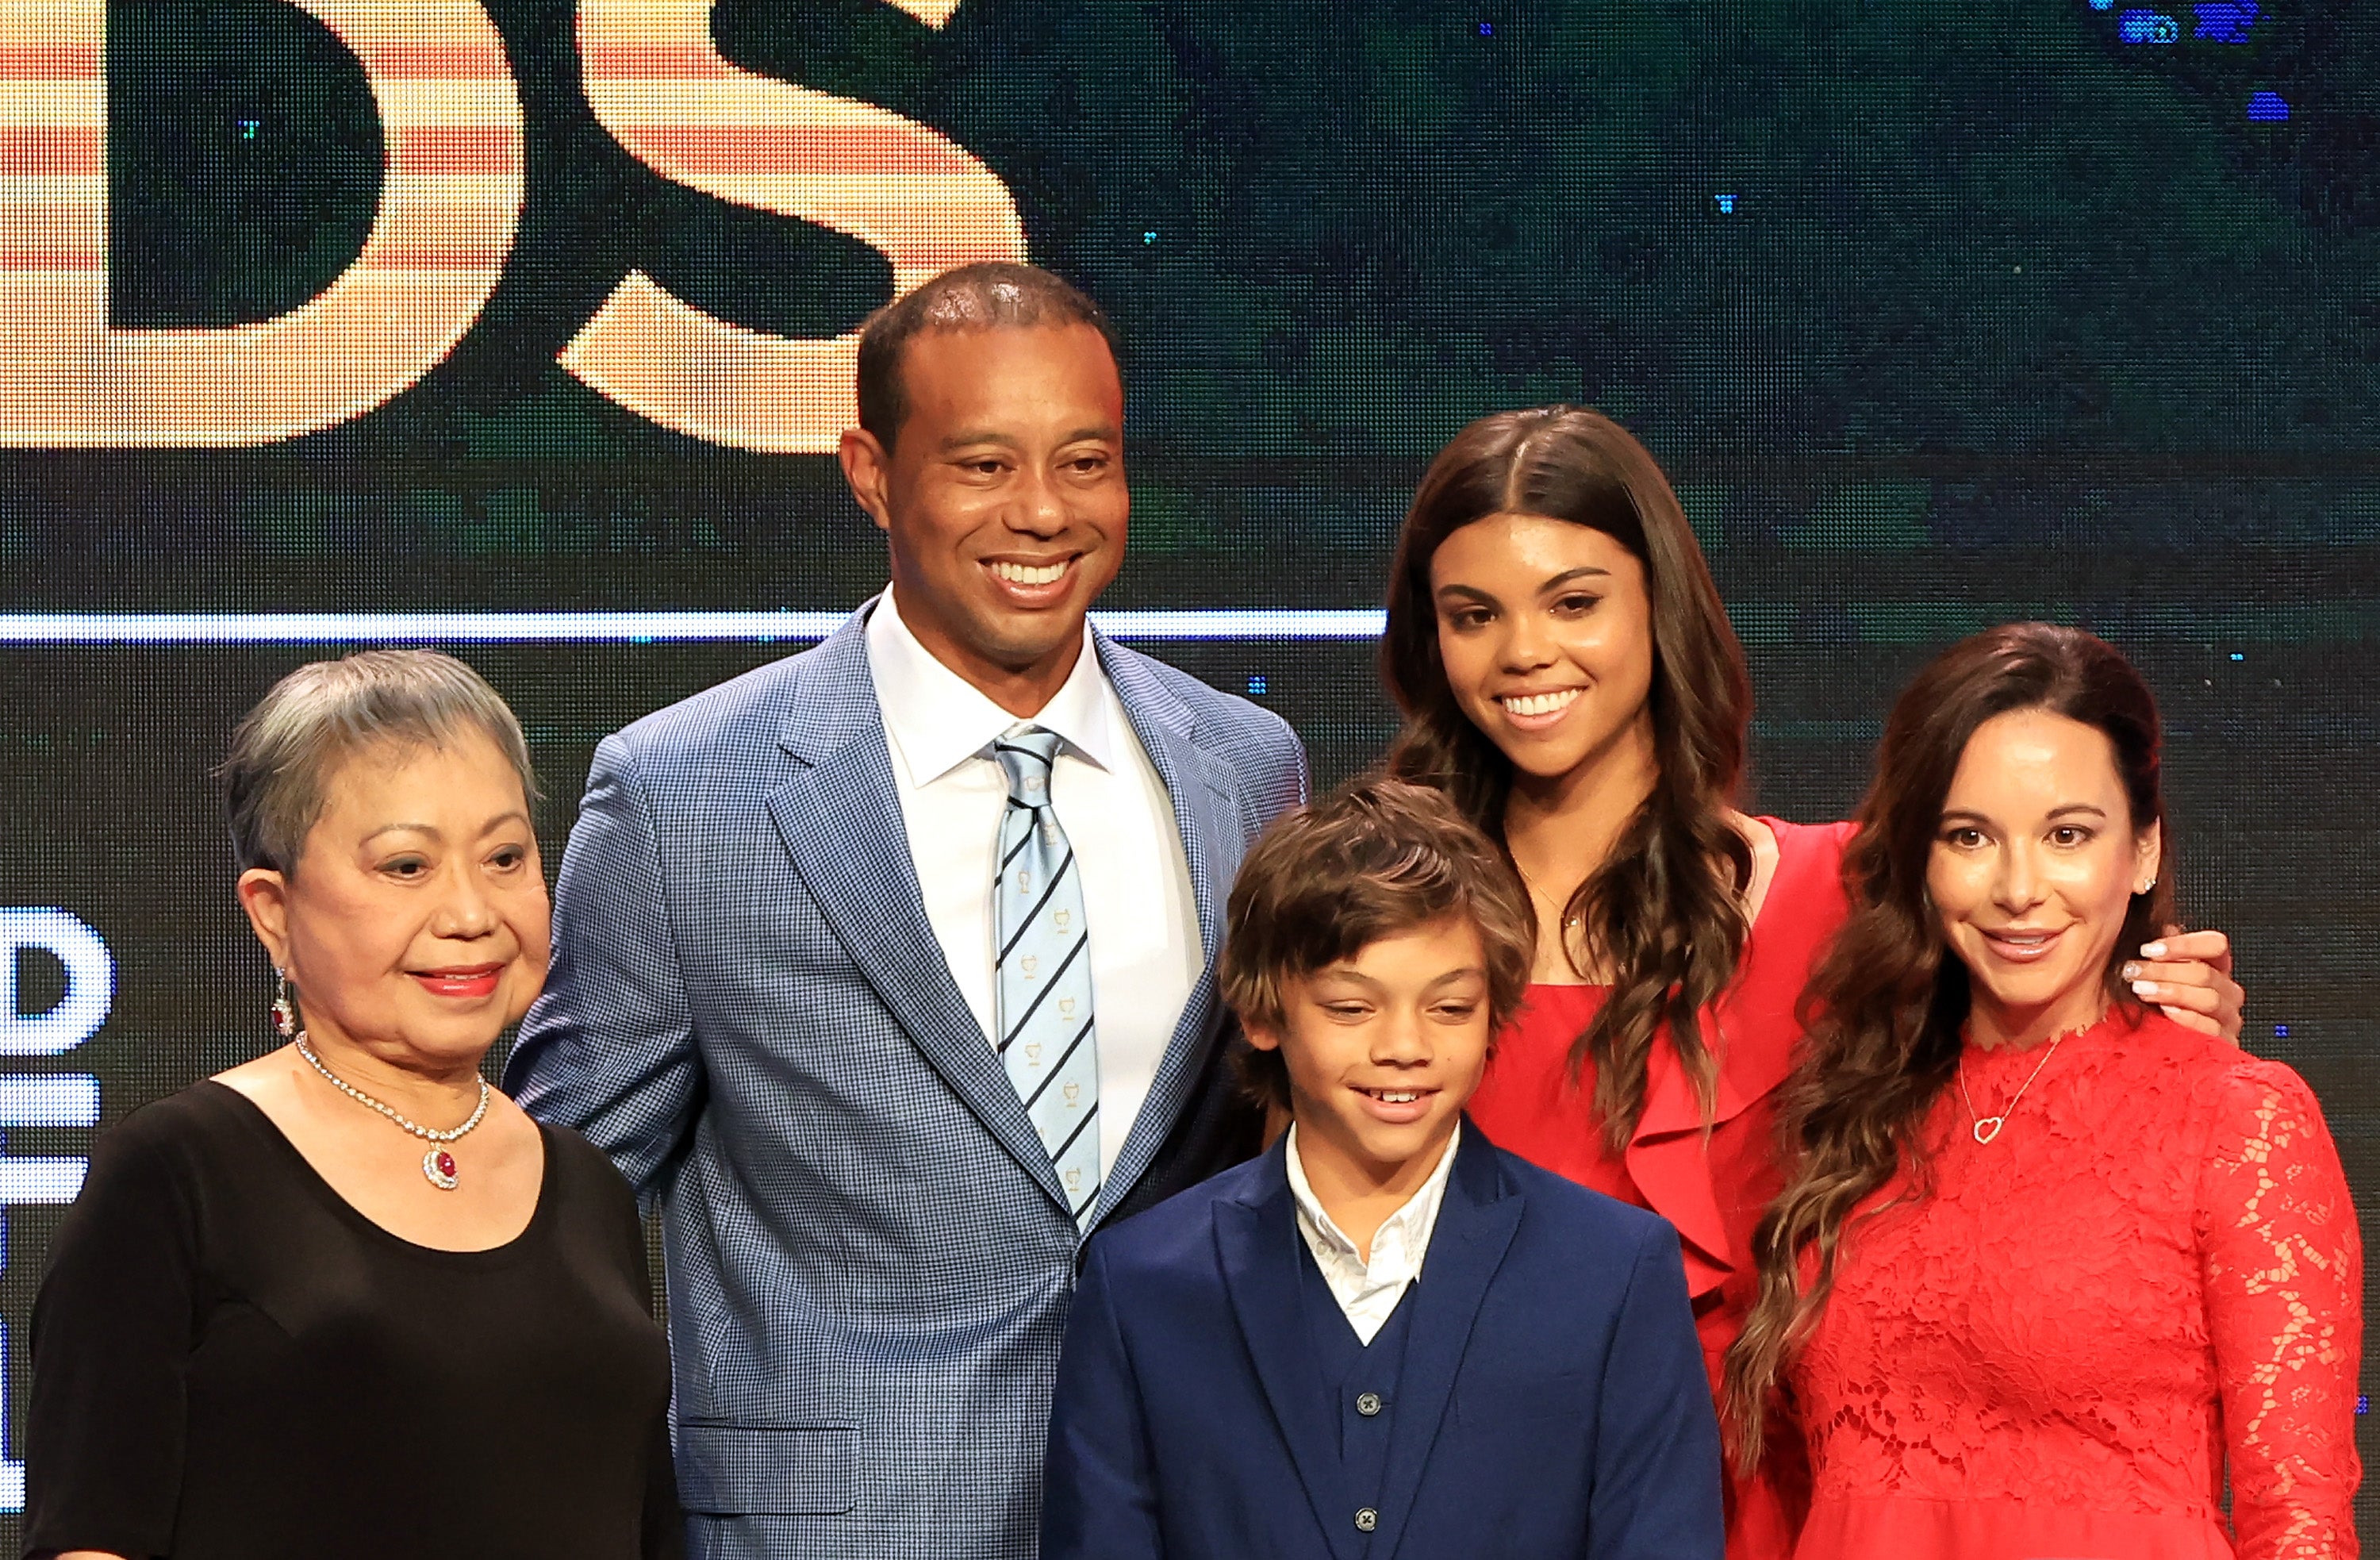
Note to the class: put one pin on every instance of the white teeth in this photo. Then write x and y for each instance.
(1393, 1096)
(1024, 574)
(1538, 703)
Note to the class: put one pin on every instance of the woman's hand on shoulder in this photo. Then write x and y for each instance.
(2188, 976)
(1766, 854)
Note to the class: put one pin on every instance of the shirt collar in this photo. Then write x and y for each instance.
(939, 720)
(1407, 1230)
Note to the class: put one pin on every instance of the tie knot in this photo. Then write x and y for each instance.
(1026, 753)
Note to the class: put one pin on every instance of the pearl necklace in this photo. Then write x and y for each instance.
(438, 1166)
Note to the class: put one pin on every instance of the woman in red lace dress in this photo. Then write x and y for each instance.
(1569, 675)
(2049, 1266)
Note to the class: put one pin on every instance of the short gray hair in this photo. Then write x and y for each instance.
(284, 754)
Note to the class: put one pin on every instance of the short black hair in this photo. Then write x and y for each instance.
(990, 295)
(1374, 858)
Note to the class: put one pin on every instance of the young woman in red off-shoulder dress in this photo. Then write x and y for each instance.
(2049, 1269)
(1569, 675)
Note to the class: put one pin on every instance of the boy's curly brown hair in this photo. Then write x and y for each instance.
(1374, 859)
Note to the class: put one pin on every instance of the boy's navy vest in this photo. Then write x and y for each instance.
(1362, 1380)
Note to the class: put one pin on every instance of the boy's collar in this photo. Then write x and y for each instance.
(1417, 1214)
(1475, 1178)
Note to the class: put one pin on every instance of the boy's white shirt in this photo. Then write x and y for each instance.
(1368, 1292)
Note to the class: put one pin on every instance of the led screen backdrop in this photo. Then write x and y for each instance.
(525, 323)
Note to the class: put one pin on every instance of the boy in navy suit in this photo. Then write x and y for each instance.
(1385, 1338)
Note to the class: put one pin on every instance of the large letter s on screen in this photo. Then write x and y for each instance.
(449, 199)
(660, 85)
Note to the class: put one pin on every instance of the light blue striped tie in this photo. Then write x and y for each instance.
(1044, 970)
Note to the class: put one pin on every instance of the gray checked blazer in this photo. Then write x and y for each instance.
(869, 1255)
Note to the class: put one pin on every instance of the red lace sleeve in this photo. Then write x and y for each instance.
(2282, 1264)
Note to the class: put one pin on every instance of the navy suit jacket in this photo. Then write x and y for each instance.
(869, 1253)
(1553, 1401)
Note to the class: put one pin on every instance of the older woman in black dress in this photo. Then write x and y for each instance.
(346, 1299)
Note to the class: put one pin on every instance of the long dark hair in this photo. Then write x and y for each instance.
(1663, 913)
(1885, 1007)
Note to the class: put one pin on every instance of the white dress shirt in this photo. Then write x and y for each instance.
(1368, 1292)
(1146, 953)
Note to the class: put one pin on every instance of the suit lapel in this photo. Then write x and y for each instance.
(840, 820)
(1256, 1242)
(1205, 795)
(1474, 1229)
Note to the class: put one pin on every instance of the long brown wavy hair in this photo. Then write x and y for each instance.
(1663, 915)
(1885, 1007)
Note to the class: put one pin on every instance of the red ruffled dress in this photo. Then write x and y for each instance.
(2151, 1273)
(1714, 1189)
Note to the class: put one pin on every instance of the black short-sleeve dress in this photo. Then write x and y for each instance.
(230, 1363)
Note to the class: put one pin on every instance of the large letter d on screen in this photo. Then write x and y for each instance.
(451, 118)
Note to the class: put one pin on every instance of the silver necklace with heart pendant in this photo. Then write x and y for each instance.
(1986, 1128)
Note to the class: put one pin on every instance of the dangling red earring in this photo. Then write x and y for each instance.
(285, 1011)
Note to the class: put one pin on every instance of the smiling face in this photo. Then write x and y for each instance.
(1002, 498)
(415, 923)
(1545, 631)
(2034, 869)
(1383, 1050)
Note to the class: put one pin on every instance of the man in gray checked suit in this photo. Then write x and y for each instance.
(887, 968)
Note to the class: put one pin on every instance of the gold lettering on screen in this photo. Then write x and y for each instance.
(662, 87)
(450, 120)
(451, 199)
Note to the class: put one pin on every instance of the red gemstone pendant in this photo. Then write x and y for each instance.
(438, 1166)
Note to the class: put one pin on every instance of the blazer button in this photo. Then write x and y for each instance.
(1366, 1519)
(1368, 1404)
